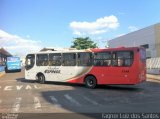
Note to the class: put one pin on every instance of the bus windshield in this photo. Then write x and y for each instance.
(13, 64)
(13, 59)
(30, 60)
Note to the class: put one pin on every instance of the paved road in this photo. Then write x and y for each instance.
(18, 95)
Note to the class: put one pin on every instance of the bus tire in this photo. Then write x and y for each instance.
(6, 70)
(90, 82)
(41, 78)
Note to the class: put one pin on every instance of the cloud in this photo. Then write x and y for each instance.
(17, 45)
(101, 25)
(133, 28)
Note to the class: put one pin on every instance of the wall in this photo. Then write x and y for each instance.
(153, 65)
(157, 37)
(141, 37)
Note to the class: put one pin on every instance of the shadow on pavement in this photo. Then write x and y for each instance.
(104, 87)
(48, 82)
(14, 71)
(91, 103)
(75, 85)
(120, 87)
(64, 83)
(24, 80)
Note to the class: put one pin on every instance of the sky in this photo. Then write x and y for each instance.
(30, 25)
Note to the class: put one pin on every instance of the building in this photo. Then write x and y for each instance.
(3, 56)
(148, 37)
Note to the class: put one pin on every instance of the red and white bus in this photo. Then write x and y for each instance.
(90, 67)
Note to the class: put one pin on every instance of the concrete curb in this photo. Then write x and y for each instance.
(153, 77)
(2, 73)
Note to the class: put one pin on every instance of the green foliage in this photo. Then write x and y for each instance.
(83, 43)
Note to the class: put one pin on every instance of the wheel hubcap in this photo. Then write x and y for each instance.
(40, 78)
(90, 82)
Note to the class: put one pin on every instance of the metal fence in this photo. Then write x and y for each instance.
(153, 65)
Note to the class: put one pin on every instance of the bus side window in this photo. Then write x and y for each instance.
(107, 62)
(102, 59)
(114, 62)
(122, 58)
(120, 62)
(69, 59)
(128, 62)
(84, 59)
(42, 60)
(55, 59)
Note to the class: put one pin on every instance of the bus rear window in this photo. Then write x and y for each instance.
(143, 54)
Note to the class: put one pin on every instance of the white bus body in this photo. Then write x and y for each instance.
(56, 73)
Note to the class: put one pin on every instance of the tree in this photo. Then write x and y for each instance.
(83, 43)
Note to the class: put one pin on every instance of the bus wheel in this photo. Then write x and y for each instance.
(6, 71)
(90, 82)
(41, 78)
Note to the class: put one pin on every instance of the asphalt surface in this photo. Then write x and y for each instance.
(18, 95)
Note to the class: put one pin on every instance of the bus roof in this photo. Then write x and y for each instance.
(115, 49)
(62, 51)
(88, 50)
